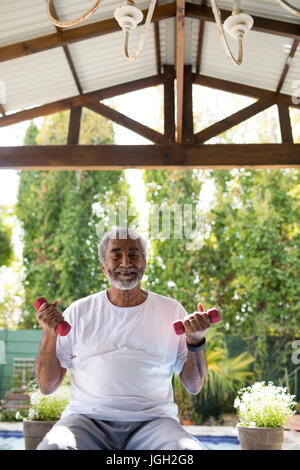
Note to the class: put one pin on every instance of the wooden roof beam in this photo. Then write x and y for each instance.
(165, 156)
(263, 25)
(245, 90)
(80, 100)
(231, 121)
(80, 33)
(127, 122)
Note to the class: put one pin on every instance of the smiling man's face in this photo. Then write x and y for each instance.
(123, 264)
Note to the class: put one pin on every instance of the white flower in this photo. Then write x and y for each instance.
(264, 405)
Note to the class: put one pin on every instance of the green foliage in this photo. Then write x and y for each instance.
(8, 415)
(56, 210)
(172, 269)
(225, 376)
(48, 407)
(254, 260)
(247, 263)
(6, 246)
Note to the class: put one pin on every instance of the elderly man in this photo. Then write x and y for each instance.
(122, 351)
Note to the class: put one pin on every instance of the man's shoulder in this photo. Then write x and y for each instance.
(164, 299)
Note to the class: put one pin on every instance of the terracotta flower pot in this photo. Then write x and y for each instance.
(35, 431)
(260, 438)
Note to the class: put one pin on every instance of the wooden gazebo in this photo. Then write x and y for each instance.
(47, 69)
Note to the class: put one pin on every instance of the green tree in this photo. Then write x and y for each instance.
(56, 210)
(6, 245)
(174, 268)
(253, 261)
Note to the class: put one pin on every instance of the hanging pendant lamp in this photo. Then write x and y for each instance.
(237, 25)
(128, 17)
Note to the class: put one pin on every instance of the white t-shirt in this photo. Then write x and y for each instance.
(122, 358)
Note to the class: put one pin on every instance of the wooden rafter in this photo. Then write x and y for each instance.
(245, 90)
(80, 100)
(283, 110)
(180, 12)
(200, 41)
(231, 121)
(70, 36)
(263, 25)
(97, 157)
(157, 47)
(66, 51)
(168, 10)
(127, 122)
(287, 65)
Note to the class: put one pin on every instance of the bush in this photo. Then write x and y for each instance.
(264, 406)
(9, 414)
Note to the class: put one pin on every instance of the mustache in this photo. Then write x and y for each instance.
(122, 270)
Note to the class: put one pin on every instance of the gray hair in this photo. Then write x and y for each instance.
(123, 233)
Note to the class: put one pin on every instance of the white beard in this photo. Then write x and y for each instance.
(125, 284)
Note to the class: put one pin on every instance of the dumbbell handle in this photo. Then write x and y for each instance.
(213, 315)
(63, 328)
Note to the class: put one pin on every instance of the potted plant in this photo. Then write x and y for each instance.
(44, 412)
(262, 411)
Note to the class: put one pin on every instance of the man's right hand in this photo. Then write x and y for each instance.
(49, 317)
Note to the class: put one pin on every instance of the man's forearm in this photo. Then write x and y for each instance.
(48, 371)
(194, 371)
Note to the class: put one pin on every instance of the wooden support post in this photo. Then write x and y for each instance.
(187, 122)
(285, 124)
(169, 103)
(74, 125)
(180, 12)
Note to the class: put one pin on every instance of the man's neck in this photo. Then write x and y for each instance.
(126, 298)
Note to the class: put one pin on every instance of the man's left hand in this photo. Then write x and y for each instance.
(196, 326)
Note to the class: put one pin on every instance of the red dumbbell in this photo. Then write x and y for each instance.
(63, 328)
(213, 314)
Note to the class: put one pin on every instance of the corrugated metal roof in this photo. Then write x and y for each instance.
(22, 20)
(46, 76)
(100, 63)
(264, 58)
(265, 8)
(37, 79)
